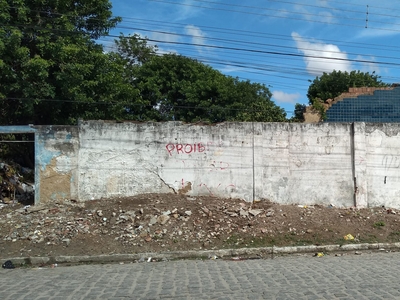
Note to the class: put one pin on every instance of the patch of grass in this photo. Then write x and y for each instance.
(379, 224)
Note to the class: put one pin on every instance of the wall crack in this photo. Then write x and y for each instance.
(162, 180)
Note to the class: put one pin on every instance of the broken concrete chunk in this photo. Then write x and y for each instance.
(153, 220)
(32, 209)
(163, 219)
(255, 212)
(243, 213)
(270, 213)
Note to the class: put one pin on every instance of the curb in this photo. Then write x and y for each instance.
(201, 254)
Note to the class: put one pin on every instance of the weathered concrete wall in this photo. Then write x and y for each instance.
(304, 163)
(293, 163)
(329, 163)
(383, 164)
(56, 156)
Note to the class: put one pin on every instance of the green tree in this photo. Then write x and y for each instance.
(134, 50)
(183, 89)
(299, 110)
(51, 70)
(331, 85)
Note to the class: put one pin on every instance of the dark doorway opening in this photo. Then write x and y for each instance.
(17, 168)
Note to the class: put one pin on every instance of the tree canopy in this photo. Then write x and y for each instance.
(52, 71)
(175, 87)
(331, 85)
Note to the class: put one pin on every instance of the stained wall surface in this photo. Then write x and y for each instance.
(282, 162)
(56, 163)
(383, 164)
(344, 164)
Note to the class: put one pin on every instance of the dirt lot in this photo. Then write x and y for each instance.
(166, 222)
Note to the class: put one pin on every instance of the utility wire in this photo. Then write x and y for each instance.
(259, 45)
(284, 17)
(244, 32)
(251, 50)
(249, 33)
(340, 10)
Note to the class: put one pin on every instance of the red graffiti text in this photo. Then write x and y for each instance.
(185, 148)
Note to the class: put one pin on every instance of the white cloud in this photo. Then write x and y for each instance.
(197, 36)
(320, 57)
(282, 97)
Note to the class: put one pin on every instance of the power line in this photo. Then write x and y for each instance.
(181, 24)
(301, 56)
(244, 42)
(252, 50)
(274, 52)
(249, 33)
(341, 10)
(284, 17)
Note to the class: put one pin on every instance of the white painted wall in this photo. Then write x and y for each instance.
(305, 163)
(383, 164)
(340, 164)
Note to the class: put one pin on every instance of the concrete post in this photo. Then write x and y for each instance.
(360, 165)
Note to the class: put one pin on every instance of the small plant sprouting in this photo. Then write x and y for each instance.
(379, 224)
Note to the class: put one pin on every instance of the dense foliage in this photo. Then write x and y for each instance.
(183, 89)
(52, 71)
(331, 85)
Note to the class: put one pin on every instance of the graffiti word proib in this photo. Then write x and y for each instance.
(185, 148)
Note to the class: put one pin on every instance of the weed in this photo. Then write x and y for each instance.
(379, 224)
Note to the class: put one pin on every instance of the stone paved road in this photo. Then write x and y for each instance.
(367, 276)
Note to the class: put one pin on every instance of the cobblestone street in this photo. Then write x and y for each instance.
(366, 276)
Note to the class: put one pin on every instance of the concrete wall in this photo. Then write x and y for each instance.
(56, 167)
(383, 164)
(329, 163)
(338, 163)
(287, 163)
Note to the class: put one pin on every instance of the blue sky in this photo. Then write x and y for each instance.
(282, 44)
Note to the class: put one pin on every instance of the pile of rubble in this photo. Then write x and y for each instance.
(14, 186)
(168, 222)
(54, 224)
